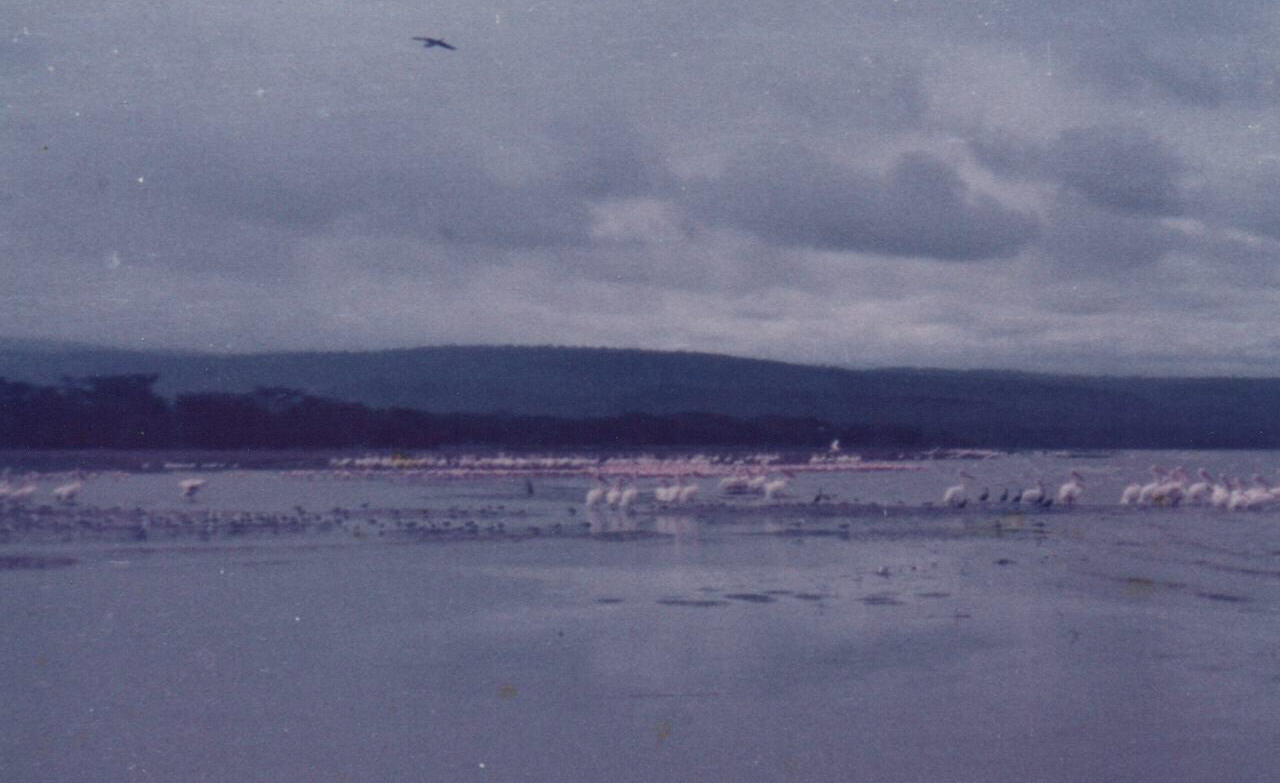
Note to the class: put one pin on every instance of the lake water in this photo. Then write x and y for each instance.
(394, 626)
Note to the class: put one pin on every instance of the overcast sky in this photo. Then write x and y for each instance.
(1083, 187)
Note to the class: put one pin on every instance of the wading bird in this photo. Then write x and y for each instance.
(67, 492)
(189, 487)
(1071, 491)
(1033, 494)
(957, 496)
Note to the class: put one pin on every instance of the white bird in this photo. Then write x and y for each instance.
(1237, 499)
(1170, 492)
(67, 492)
(1259, 494)
(189, 487)
(737, 484)
(1071, 491)
(1198, 493)
(595, 495)
(665, 492)
(614, 494)
(628, 496)
(1220, 494)
(774, 488)
(688, 492)
(1149, 490)
(957, 495)
(1034, 494)
(22, 493)
(1130, 495)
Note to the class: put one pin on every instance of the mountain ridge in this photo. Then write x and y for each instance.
(988, 407)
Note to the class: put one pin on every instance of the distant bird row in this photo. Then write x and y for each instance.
(622, 493)
(1069, 493)
(1175, 488)
(754, 484)
(67, 493)
(16, 494)
(1166, 489)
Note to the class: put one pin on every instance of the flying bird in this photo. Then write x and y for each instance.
(427, 43)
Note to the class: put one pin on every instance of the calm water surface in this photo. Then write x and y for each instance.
(882, 640)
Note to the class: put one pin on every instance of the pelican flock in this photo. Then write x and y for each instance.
(1165, 488)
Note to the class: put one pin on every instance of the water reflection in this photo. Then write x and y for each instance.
(894, 644)
(683, 527)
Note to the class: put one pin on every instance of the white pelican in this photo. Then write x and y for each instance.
(1034, 494)
(1259, 494)
(665, 492)
(628, 496)
(1149, 490)
(614, 494)
(67, 492)
(22, 493)
(772, 489)
(1071, 491)
(957, 495)
(688, 492)
(595, 495)
(1220, 494)
(189, 487)
(1198, 493)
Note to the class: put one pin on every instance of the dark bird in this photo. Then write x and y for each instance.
(427, 43)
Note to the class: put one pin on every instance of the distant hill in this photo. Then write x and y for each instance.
(946, 407)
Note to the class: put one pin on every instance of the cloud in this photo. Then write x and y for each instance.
(1119, 168)
(920, 206)
(1248, 200)
(1122, 168)
(744, 177)
(1084, 237)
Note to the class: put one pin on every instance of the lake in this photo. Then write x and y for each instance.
(420, 623)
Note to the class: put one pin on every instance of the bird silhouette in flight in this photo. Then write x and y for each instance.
(427, 43)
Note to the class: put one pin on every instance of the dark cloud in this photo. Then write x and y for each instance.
(1095, 241)
(919, 207)
(658, 173)
(602, 154)
(1222, 58)
(1120, 168)
(1135, 71)
(1250, 200)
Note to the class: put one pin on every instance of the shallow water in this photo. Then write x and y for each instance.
(876, 640)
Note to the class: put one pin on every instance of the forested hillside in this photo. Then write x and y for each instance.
(941, 407)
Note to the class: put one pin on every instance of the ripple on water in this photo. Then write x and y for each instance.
(16, 562)
(694, 602)
(882, 599)
(755, 598)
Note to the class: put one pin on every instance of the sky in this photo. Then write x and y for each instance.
(1082, 188)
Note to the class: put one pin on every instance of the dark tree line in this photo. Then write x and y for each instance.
(124, 412)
